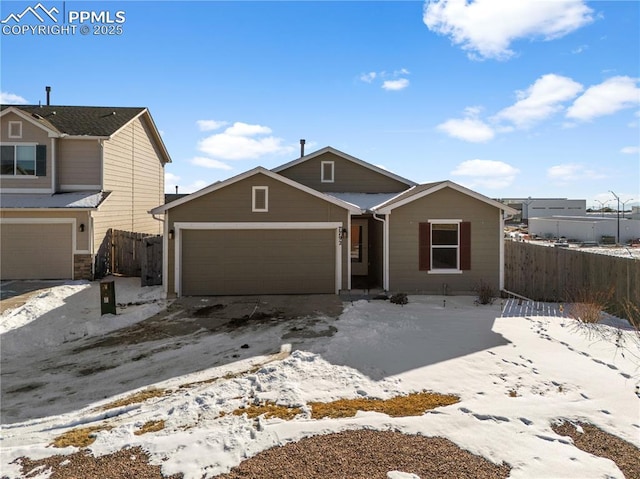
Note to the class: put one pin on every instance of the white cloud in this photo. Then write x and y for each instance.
(487, 173)
(171, 178)
(608, 97)
(486, 28)
(570, 172)
(468, 129)
(368, 77)
(540, 100)
(245, 129)
(395, 85)
(210, 163)
(7, 98)
(390, 81)
(243, 141)
(195, 186)
(210, 125)
(580, 49)
(630, 150)
(171, 181)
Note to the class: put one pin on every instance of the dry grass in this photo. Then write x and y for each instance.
(587, 306)
(269, 410)
(631, 312)
(80, 437)
(136, 398)
(150, 426)
(414, 404)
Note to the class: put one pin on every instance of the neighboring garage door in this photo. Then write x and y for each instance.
(232, 262)
(36, 251)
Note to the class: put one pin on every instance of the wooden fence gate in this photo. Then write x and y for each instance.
(151, 262)
(131, 254)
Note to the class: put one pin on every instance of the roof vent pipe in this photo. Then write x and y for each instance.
(48, 90)
(302, 142)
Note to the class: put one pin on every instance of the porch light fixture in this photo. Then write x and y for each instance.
(172, 233)
(81, 227)
(342, 234)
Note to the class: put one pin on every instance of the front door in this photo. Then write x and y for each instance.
(359, 247)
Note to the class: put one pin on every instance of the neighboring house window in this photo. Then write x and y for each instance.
(327, 169)
(260, 199)
(23, 160)
(15, 129)
(444, 246)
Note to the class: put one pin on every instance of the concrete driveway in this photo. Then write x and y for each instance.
(14, 293)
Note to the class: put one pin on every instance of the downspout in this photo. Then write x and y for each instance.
(385, 251)
(54, 187)
(501, 279)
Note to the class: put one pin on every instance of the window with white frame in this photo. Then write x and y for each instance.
(15, 129)
(445, 245)
(260, 199)
(18, 160)
(327, 171)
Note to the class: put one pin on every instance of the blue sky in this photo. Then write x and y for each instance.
(513, 99)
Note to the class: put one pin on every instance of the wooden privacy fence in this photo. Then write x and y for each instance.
(546, 273)
(131, 254)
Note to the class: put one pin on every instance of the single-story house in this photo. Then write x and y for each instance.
(328, 222)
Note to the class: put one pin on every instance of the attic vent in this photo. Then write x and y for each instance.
(36, 116)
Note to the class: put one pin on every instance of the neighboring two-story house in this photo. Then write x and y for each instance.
(328, 222)
(67, 175)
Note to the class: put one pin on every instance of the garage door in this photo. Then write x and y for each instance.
(36, 251)
(232, 262)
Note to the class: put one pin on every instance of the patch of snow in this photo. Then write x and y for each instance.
(401, 475)
(514, 375)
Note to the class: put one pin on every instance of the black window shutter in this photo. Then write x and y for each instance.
(465, 245)
(41, 160)
(424, 246)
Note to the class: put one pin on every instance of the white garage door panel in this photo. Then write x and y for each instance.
(36, 251)
(258, 262)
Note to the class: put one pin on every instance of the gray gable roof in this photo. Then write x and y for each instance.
(80, 120)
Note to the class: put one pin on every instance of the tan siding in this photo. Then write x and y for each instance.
(233, 204)
(134, 175)
(30, 134)
(148, 185)
(444, 204)
(79, 162)
(348, 176)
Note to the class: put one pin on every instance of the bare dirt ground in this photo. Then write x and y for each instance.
(69, 376)
(221, 314)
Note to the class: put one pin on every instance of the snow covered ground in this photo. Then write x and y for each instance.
(514, 375)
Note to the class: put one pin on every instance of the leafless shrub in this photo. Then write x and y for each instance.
(399, 298)
(586, 306)
(486, 293)
(631, 312)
